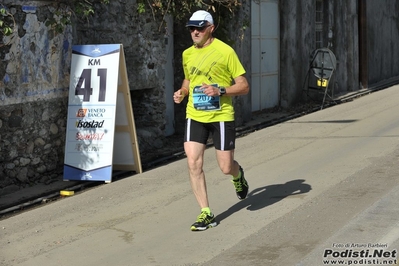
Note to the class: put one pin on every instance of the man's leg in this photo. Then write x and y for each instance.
(224, 141)
(224, 137)
(226, 162)
(231, 167)
(195, 159)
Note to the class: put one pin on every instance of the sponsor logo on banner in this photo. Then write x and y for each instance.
(89, 136)
(96, 51)
(81, 112)
(86, 176)
(89, 148)
(93, 112)
(89, 124)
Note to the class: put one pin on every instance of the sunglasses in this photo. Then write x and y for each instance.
(199, 29)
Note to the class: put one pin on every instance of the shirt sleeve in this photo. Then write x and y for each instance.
(234, 65)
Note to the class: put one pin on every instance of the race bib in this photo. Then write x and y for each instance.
(204, 102)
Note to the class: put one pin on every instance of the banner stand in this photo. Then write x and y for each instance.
(125, 129)
(101, 133)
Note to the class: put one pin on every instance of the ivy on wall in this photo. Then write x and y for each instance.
(182, 9)
(65, 10)
(7, 22)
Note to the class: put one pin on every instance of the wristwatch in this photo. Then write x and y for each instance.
(222, 91)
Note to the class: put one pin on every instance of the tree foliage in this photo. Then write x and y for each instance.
(7, 21)
(65, 10)
(179, 9)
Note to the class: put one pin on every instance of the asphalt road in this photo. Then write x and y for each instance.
(323, 187)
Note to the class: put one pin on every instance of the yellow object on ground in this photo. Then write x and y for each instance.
(66, 193)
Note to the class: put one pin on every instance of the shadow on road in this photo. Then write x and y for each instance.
(264, 196)
(326, 121)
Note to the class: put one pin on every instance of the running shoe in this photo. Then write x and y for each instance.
(241, 186)
(204, 221)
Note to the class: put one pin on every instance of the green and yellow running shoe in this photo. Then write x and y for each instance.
(204, 221)
(241, 186)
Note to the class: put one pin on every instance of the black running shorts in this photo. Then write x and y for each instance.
(223, 133)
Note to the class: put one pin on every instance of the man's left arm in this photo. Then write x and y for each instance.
(240, 87)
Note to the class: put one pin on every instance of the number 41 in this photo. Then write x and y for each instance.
(87, 90)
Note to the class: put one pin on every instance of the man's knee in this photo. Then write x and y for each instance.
(226, 169)
(194, 166)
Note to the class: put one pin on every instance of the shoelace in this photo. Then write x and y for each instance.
(237, 185)
(202, 217)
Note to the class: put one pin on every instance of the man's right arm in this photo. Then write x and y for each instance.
(186, 86)
(179, 95)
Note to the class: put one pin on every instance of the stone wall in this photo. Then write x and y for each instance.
(32, 143)
(34, 83)
(143, 40)
(34, 78)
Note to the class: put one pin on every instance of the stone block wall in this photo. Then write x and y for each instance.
(34, 80)
(144, 42)
(32, 143)
(34, 84)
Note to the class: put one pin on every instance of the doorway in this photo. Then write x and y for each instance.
(265, 54)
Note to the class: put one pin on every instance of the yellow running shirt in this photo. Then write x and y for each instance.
(216, 64)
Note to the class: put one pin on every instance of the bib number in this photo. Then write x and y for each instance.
(204, 102)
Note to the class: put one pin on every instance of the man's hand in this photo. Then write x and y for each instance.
(178, 96)
(210, 90)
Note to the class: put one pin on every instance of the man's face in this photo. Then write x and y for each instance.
(200, 35)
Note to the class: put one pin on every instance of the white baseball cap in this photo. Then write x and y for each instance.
(199, 19)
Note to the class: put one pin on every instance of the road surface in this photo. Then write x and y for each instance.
(323, 187)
